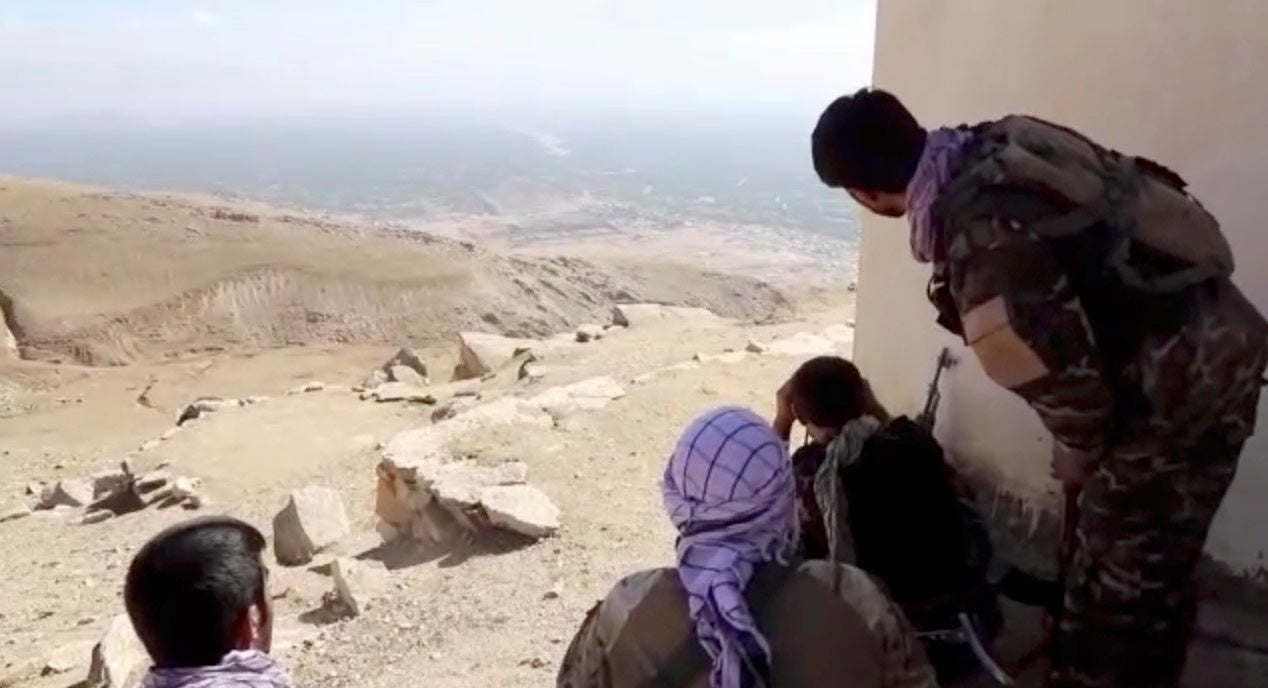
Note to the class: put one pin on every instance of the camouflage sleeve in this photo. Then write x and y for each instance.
(585, 662)
(903, 662)
(1026, 325)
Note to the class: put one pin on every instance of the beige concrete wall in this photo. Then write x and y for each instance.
(1177, 80)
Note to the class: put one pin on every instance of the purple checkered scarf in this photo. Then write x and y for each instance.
(250, 669)
(942, 148)
(729, 490)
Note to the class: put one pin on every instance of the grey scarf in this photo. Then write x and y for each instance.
(842, 451)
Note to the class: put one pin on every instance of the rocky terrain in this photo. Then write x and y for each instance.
(452, 461)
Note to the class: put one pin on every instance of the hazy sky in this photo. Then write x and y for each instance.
(173, 59)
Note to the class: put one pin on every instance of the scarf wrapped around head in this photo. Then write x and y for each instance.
(942, 150)
(249, 669)
(729, 490)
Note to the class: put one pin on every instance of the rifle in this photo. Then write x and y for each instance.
(929, 415)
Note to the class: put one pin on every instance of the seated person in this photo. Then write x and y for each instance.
(876, 492)
(197, 597)
(739, 609)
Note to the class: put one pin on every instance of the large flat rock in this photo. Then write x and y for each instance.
(480, 354)
(522, 509)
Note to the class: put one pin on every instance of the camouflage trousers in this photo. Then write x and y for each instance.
(1131, 598)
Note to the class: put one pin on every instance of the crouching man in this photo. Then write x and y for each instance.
(197, 596)
(876, 492)
(739, 609)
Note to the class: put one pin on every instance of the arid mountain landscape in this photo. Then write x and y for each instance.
(126, 310)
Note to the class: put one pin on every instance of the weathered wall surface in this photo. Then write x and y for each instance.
(1167, 79)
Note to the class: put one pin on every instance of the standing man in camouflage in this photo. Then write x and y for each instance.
(1091, 284)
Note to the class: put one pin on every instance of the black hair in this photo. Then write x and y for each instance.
(829, 391)
(868, 141)
(189, 586)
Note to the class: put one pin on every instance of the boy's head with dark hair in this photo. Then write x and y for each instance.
(191, 591)
(827, 392)
(869, 144)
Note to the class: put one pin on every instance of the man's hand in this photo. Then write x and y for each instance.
(785, 414)
(1071, 466)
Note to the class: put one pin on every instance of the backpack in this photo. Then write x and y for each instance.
(1137, 248)
(1158, 238)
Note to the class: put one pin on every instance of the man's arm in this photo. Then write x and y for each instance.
(1029, 330)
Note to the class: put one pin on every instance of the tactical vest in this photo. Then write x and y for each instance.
(1131, 238)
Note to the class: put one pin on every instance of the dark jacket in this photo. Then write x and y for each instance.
(816, 636)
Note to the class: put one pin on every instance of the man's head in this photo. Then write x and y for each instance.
(869, 144)
(192, 590)
(828, 392)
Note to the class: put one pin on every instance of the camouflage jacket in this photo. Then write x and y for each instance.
(816, 637)
(1095, 359)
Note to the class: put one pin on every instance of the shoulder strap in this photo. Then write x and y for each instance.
(689, 660)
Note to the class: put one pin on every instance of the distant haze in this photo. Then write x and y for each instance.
(174, 60)
(545, 115)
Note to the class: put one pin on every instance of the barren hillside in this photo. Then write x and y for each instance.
(108, 278)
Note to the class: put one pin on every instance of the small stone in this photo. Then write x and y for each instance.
(147, 446)
(374, 379)
(407, 358)
(117, 657)
(532, 372)
(127, 467)
(106, 482)
(309, 387)
(724, 357)
(69, 492)
(756, 347)
(589, 333)
(256, 399)
(194, 502)
(313, 519)
(852, 287)
(65, 658)
(401, 391)
(407, 375)
(14, 513)
(34, 488)
(169, 433)
(357, 583)
(555, 591)
(184, 487)
(148, 482)
(93, 517)
(203, 406)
